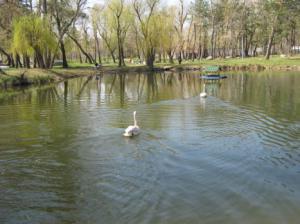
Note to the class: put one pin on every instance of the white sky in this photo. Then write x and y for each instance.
(168, 2)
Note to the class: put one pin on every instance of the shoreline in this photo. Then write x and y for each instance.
(29, 77)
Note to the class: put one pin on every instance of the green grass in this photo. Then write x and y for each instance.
(273, 61)
(75, 64)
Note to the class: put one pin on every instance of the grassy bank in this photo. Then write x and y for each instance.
(23, 77)
(19, 77)
(275, 63)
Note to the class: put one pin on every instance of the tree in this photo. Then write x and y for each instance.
(8, 11)
(101, 21)
(65, 13)
(120, 19)
(181, 19)
(167, 32)
(32, 37)
(146, 15)
(200, 11)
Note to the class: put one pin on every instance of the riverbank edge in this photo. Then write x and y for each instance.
(26, 77)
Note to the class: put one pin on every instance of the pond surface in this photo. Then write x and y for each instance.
(233, 157)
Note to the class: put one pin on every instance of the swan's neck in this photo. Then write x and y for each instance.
(134, 119)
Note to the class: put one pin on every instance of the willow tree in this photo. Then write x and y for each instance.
(146, 14)
(8, 11)
(167, 32)
(32, 37)
(120, 19)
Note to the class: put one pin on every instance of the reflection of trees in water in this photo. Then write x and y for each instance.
(41, 137)
(66, 84)
(275, 93)
(16, 96)
(140, 86)
(122, 78)
(99, 78)
(48, 95)
(212, 88)
(115, 89)
(152, 88)
(84, 85)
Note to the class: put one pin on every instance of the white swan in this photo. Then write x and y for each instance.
(132, 129)
(203, 94)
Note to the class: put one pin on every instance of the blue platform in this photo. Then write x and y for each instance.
(213, 77)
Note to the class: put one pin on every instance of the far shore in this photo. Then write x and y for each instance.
(22, 77)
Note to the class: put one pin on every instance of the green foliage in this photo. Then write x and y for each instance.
(32, 34)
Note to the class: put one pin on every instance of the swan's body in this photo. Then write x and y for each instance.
(132, 130)
(203, 94)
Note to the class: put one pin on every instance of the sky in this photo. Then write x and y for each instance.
(168, 2)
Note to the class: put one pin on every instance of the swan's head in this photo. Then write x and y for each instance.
(134, 113)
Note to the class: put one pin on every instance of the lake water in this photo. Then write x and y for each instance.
(233, 157)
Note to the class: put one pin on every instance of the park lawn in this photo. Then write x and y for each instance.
(77, 69)
(273, 61)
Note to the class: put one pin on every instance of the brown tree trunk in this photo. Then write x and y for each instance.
(150, 57)
(98, 49)
(63, 53)
(18, 61)
(170, 55)
(9, 58)
(88, 57)
(270, 43)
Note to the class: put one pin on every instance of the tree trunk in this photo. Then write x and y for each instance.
(170, 55)
(180, 57)
(137, 47)
(9, 59)
(113, 55)
(48, 61)
(45, 7)
(98, 49)
(194, 44)
(120, 47)
(26, 60)
(212, 41)
(150, 57)
(40, 59)
(34, 61)
(254, 50)
(121, 56)
(270, 43)
(88, 57)
(63, 53)
(18, 61)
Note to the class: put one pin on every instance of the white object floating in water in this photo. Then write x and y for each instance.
(132, 130)
(203, 94)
